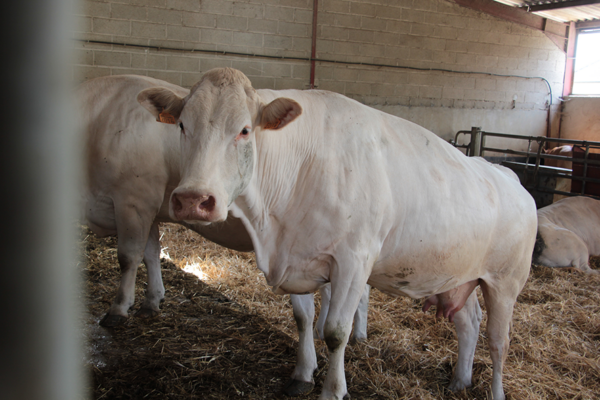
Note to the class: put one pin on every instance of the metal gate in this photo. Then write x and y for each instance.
(537, 177)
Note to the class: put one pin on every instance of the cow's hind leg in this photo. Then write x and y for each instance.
(359, 331)
(580, 255)
(325, 292)
(466, 322)
(302, 381)
(132, 231)
(155, 292)
(499, 302)
(568, 252)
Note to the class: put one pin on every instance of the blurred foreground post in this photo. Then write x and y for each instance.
(40, 355)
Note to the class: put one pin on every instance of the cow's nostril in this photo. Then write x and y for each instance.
(193, 206)
(177, 205)
(208, 204)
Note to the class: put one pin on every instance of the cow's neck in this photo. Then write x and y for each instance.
(283, 161)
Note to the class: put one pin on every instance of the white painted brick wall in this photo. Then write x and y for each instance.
(425, 34)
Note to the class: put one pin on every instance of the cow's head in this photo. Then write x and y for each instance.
(218, 122)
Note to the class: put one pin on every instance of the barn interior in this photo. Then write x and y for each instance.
(506, 80)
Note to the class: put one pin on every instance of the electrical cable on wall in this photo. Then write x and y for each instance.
(320, 60)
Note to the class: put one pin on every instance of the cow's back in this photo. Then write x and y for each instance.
(120, 135)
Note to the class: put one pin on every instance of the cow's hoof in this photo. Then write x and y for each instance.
(357, 339)
(458, 385)
(110, 320)
(294, 388)
(593, 271)
(146, 313)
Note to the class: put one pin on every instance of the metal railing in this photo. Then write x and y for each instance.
(533, 166)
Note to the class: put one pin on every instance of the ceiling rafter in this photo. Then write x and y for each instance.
(536, 6)
(564, 11)
(556, 31)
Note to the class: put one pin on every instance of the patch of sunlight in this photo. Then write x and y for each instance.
(196, 269)
(164, 254)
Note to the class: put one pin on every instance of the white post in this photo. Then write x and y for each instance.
(40, 340)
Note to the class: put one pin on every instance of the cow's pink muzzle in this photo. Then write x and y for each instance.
(190, 206)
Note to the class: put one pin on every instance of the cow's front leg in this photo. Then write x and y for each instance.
(156, 290)
(345, 296)
(132, 232)
(302, 381)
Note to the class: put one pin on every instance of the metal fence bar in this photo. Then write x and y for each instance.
(530, 154)
(541, 138)
(585, 167)
(477, 147)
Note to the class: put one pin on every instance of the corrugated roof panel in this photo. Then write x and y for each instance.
(511, 3)
(567, 14)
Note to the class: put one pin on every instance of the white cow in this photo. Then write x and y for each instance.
(564, 151)
(330, 190)
(568, 233)
(562, 184)
(132, 166)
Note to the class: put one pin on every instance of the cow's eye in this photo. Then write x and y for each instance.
(244, 132)
(181, 126)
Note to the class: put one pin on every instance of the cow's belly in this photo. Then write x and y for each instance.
(401, 286)
(423, 277)
(100, 215)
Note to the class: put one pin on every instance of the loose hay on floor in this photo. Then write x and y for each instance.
(227, 336)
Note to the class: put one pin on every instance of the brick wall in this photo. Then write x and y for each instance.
(421, 36)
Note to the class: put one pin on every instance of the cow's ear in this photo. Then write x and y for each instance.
(279, 113)
(164, 104)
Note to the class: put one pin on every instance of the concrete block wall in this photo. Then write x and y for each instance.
(270, 28)
(430, 35)
(165, 39)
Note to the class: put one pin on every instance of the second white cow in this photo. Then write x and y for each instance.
(330, 190)
(568, 233)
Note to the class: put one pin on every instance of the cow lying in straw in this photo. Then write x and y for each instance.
(568, 233)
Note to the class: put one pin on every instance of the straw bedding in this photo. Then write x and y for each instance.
(226, 336)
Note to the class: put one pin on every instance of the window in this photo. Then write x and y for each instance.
(586, 78)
